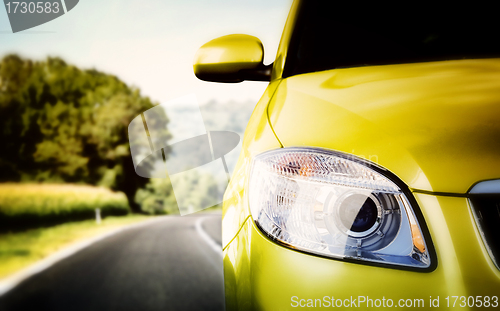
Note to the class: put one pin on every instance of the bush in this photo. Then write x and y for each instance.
(24, 206)
(157, 197)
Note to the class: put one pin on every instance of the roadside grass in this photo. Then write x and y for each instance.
(26, 206)
(21, 249)
(37, 220)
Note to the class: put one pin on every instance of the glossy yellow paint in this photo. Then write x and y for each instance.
(279, 63)
(227, 55)
(258, 137)
(432, 124)
(435, 125)
(261, 275)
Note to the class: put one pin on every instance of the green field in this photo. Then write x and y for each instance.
(25, 206)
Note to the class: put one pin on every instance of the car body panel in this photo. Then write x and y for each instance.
(432, 124)
(262, 275)
(279, 62)
(435, 125)
(258, 138)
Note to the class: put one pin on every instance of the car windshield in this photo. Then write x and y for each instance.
(332, 34)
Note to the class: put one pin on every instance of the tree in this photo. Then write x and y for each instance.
(157, 197)
(64, 124)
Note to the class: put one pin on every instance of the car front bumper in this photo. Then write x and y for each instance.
(262, 275)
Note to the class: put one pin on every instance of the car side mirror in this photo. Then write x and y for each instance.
(231, 59)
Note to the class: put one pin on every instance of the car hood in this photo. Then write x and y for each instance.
(435, 125)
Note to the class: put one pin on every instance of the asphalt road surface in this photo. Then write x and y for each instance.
(167, 265)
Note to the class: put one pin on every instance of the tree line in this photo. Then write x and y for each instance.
(63, 124)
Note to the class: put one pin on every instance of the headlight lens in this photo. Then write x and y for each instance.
(334, 205)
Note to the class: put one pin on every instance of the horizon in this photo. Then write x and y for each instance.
(143, 44)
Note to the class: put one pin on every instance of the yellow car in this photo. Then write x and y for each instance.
(370, 169)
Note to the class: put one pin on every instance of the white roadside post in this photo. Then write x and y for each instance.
(98, 216)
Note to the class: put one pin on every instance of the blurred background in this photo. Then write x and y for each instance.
(68, 91)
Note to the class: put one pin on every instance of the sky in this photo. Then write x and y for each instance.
(151, 44)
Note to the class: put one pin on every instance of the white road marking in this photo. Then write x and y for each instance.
(211, 242)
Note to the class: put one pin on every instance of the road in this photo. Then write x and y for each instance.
(167, 265)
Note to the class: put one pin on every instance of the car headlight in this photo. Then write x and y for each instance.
(335, 205)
